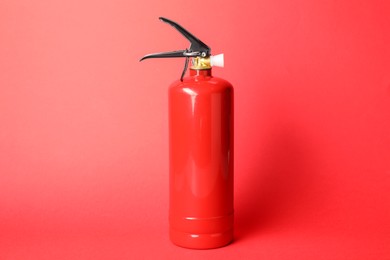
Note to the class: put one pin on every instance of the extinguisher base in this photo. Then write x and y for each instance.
(201, 241)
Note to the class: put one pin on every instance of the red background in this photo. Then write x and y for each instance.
(83, 127)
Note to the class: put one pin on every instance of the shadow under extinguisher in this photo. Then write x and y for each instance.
(275, 191)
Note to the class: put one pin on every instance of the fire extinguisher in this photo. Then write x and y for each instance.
(200, 149)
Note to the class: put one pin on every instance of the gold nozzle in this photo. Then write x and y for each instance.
(201, 63)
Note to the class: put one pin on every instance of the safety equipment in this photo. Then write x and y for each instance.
(200, 149)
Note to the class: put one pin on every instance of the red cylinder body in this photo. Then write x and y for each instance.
(201, 161)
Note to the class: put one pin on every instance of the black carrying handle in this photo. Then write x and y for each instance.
(196, 44)
(197, 47)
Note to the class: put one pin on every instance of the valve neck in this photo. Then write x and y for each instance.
(200, 72)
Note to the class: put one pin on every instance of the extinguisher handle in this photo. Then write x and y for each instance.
(171, 54)
(196, 44)
(197, 48)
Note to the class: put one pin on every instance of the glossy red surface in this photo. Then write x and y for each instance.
(201, 161)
